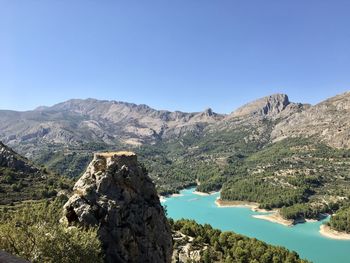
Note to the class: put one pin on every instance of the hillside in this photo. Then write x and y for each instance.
(21, 180)
(328, 121)
(302, 176)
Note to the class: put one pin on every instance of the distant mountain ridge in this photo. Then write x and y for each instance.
(76, 122)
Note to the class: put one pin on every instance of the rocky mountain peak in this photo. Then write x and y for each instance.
(208, 112)
(116, 194)
(267, 106)
(328, 121)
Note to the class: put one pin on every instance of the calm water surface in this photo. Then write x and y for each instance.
(302, 238)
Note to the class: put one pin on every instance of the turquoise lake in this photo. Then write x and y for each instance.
(302, 238)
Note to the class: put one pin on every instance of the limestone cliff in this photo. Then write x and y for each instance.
(328, 121)
(270, 106)
(116, 194)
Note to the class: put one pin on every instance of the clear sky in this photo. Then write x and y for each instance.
(172, 54)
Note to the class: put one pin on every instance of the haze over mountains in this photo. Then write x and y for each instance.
(76, 122)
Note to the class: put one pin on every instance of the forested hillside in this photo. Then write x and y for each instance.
(218, 246)
(21, 180)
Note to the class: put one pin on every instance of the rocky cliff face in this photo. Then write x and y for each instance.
(328, 121)
(116, 194)
(271, 106)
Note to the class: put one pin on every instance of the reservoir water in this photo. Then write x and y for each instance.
(302, 238)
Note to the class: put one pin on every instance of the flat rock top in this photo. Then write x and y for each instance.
(120, 153)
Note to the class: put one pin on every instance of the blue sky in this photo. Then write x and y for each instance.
(178, 55)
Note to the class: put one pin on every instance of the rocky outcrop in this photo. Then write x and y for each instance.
(116, 195)
(267, 106)
(186, 250)
(328, 121)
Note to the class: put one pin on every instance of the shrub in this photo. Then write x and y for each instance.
(34, 232)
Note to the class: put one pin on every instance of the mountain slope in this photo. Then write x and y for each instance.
(21, 180)
(76, 122)
(328, 121)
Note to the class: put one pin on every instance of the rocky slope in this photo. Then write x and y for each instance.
(76, 122)
(270, 106)
(329, 121)
(80, 122)
(116, 194)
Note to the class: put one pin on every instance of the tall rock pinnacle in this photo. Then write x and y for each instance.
(116, 195)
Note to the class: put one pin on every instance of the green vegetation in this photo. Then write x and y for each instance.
(33, 232)
(72, 161)
(341, 220)
(201, 157)
(301, 211)
(16, 185)
(301, 176)
(70, 164)
(259, 190)
(231, 247)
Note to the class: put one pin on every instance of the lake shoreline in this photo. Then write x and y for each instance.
(222, 203)
(326, 231)
(162, 198)
(299, 237)
(275, 217)
(203, 193)
(272, 216)
(252, 205)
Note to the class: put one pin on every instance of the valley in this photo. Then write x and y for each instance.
(289, 158)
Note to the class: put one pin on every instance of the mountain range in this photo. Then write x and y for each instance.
(283, 155)
(77, 122)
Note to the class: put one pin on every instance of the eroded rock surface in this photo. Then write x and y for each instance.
(116, 194)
